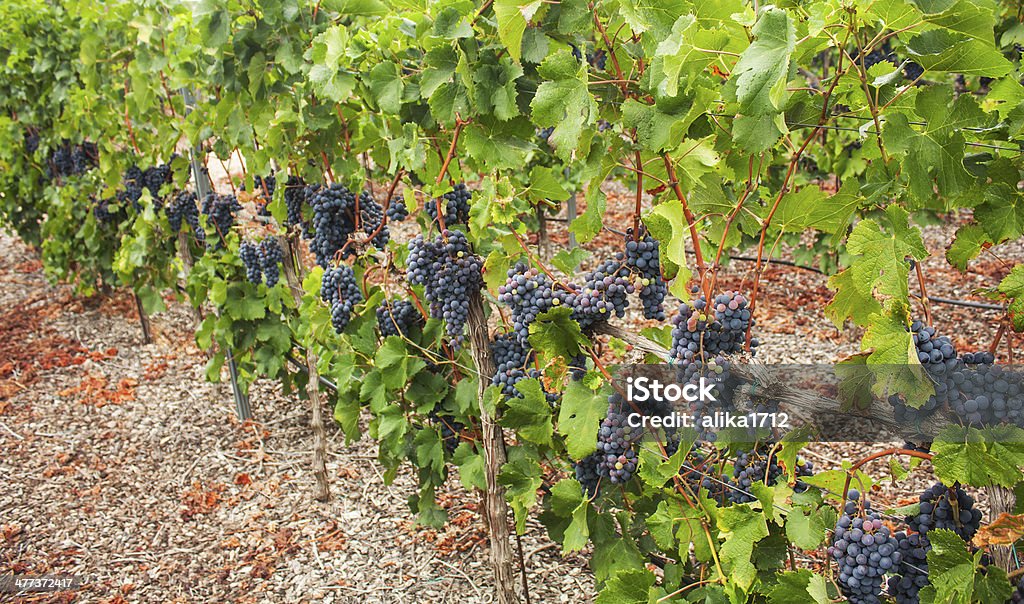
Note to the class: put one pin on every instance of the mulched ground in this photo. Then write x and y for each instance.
(120, 463)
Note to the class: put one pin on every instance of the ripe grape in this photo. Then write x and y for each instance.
(864, 550)
(642, 258)
(333, 221)
(947, 508)
(184, 209)
(249, 256)
(397, 211)
(455, 204)
(758, 465)
(338, 288)
(397, 318)
(587, 474)
(451, 274)
(220, 212)
(270, 255)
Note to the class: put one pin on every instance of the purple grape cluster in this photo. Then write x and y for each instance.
(220, 213)
(864, 550)
(938, 357)
(907, 579)
(398, 318)
(261, 260)
(248, 254)
(758, 465)
(456, 206)
(333, 221)
(72, 159)
(587, 474)
(949, 508)
(700, 332)
(989, 394)
(338, 288)
(450, 430)
(184, 210)
(397, 211)
(451, 273)
(642, 258)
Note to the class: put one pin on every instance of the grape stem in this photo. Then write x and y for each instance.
(702, 268)
(893, 451)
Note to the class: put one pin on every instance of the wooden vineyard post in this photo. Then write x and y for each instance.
(204, 188)
(493, 440)
(1001, 501)
(293, 273)
(147, 332)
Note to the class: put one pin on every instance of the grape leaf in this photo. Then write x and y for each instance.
(1013, 286)
(800, 586)
(563, 102)
(579, 418)
(529, 414)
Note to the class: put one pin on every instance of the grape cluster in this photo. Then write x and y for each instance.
(270, 256)
(700, 472)
(528, 293)
(948, 508)
(184, 210)
(642, 258)
(597, 59)
(248, 254)
(261, 260)
(451, 274)
(220, 212)
(456, 206)
(451, 430)
(397, 211)
(698, 334)
(587, 474)
(758, 465)
(294, 196)
(865, 551)
(69, 160)
(372, 220)
(398, 318)
(1018, 594)
(938, 357)
(513, 359)
(155, 177)
(31, 140)
(989, 395)
(615, 440)
(103, 212)
(338, 288)
(333, 221)
(912, 573)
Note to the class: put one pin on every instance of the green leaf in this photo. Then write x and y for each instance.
(760, 75)
(628, 587)
(529, 414)
(554, 333)
(567, 500)
(579, 419)
(357, 8)
(521, 476)
(979, 458)
(545, 185)
(1013, 287)
(471, 467)
(451, 24)
(942, 50)
(568, 260)
(326, 74)
(564, 102)
(741, 527)
(800, 586)
(512, 18)
(969, 242)
(387, 86)
(951, 567)
(806, 528)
